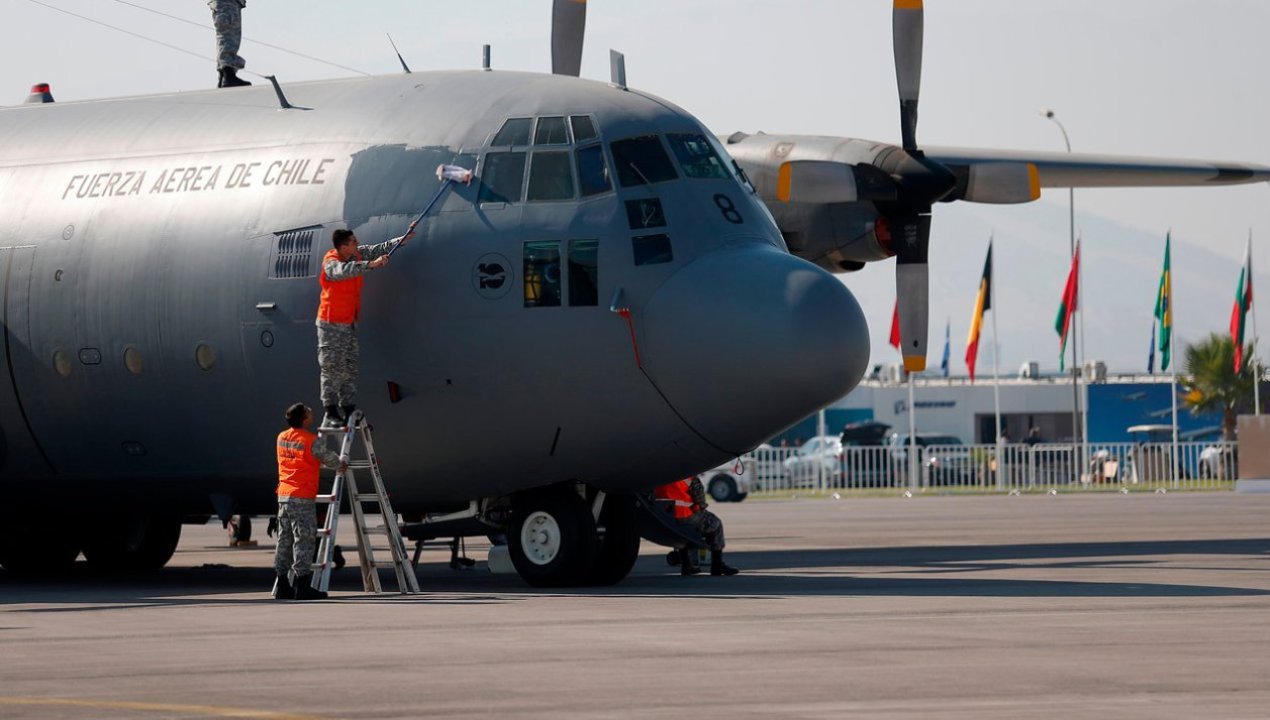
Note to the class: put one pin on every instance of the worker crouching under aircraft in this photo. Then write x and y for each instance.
(689, 497)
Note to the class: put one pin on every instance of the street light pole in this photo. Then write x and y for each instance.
(1078, 431)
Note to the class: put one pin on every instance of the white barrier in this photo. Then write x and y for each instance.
(1004, 468)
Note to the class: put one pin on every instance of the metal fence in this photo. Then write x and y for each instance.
(1004, 468)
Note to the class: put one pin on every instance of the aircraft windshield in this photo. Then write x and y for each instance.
(696, 157)
(550, 177)
(642, 161)
(593, 173)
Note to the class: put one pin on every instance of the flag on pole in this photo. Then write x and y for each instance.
(943, 364)
(1151, 352)
(1243, 303)
(983, 303)
(1164, 307)
(895, 325)
(1067, 308)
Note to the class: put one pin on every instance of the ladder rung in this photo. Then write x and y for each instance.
(359, 465)
(376, 530)
(325, 498)
(367, 497)
(323, 532)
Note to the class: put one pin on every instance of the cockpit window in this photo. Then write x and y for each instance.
(514, 132)
(502, 178)
(542, 274)
(593, 172)
(641, 161)
(696, 157)
(583, 128)
(550, 177)
(652, 249)
(551, 131)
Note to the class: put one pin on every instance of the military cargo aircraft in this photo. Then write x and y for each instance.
(531, 361)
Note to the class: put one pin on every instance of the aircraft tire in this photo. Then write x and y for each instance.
(29, 548)
(132, 542)
(619, 548)
(552, 539)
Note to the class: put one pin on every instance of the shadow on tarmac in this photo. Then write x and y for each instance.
(857, 572)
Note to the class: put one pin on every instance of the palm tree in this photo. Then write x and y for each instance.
(1213, 386)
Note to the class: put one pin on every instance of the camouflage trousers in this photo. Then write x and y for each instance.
(337, 357)
(227, 16)
(710, 527)
(297, 537)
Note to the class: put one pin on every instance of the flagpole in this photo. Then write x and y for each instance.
(1256, 366)
(996, 371)
(1172, 355)
(912, 436)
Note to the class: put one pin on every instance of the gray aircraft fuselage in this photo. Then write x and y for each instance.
(158, 260)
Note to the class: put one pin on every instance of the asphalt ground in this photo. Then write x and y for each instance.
(1071, 606)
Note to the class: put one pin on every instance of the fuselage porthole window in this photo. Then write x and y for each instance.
(550, 177)
(697, 158)
(642, 161)
(514, 132)
(542, 274)
(583, 128)
(551, 131)
(652, 249)
(593, 171)
(584, 273)
(502, 177)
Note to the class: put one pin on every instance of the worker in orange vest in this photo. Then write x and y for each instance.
(300, 459)
(689, 498)
(338, 310)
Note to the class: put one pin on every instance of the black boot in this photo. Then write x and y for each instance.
(282, 588)
(333, 419)
(229, 78)
(688, 562)
(718, 567)
(348, 411)
(305, 591)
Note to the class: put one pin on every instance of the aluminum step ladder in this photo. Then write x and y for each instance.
(346, 481)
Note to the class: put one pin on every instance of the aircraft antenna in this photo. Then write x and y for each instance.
(485, 57)
(400, 59)
(617, 69)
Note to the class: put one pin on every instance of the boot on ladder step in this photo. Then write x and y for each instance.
(333, 420)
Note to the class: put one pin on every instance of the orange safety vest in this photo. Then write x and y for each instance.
(297, 468)
(677, 491)
(341, 300)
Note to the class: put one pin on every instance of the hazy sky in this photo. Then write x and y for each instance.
(1168, 78)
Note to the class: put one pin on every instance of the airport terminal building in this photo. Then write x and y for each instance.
(956, 406)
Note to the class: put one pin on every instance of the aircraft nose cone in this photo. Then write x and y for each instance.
(745, 342)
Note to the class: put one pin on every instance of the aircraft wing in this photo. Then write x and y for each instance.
(1084, 170)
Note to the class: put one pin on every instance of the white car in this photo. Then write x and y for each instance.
(819, 457)
(731, 481)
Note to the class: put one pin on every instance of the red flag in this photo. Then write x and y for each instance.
(1063, 322)
(983, 303)
(895, 325)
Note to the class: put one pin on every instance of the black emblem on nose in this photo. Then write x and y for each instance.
(491, 275)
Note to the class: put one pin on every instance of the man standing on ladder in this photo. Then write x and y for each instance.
(300, 460)
(227, 16)
(341, 281)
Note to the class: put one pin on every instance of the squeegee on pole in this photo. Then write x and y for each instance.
(448, 175)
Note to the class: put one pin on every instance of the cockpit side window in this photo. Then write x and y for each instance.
(551, 131)
(593, 172)
(550, 177)
(696, 158)
(502, 177)
(583, 128)
(514, 132)
(542, 274)
(642, 161)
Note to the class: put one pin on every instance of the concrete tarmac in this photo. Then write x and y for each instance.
(1074, 606)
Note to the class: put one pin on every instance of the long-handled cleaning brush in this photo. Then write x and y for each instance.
(448, 175)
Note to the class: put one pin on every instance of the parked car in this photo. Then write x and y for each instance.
(945, 458)
(731, 481)
(818, 457)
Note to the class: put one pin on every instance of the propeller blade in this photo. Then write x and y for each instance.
(906, 31)
(568, 27)
(912, 287)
